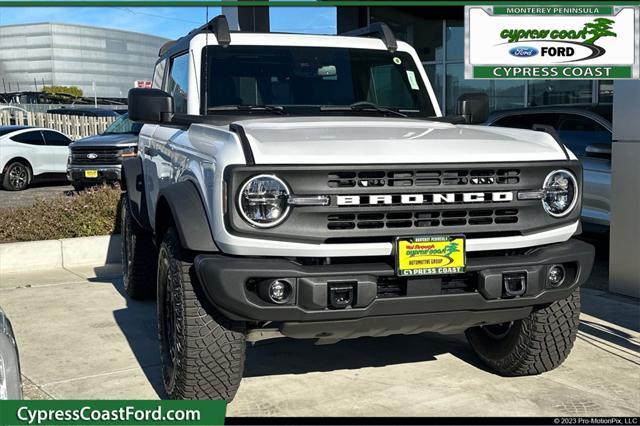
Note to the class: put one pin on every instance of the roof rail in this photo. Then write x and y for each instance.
(218, 26)
(377, 29)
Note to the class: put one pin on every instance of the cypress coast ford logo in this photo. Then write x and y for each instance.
(562, 42)
(552, 42)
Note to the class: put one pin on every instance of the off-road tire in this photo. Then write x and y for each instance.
(202, 352)
(17, 176)
(139, 256)
(533, 345)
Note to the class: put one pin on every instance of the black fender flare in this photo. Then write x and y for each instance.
(189, 216)
(132, 181)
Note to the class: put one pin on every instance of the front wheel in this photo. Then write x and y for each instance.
(17, 176)
(533, 345)
(201, 351)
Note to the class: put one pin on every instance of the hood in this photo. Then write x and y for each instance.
(365, 140)
(116, 139)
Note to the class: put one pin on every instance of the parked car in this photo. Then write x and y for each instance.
(98, 159)
(587, 133)
(10, 379)
(308, 186)
(84, 112)
(29, 153)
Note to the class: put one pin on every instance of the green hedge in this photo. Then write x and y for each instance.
(91, 212)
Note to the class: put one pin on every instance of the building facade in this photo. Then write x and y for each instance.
(437, 33)
(33, 55)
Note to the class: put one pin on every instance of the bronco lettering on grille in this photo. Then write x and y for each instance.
(408, 199)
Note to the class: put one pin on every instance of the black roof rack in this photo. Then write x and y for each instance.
(376, 29)
(218, 26)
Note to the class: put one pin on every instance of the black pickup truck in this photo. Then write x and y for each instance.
(98, 159)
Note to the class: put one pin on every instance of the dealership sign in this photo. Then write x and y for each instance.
(552, 42)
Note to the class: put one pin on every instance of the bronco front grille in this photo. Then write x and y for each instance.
(422, 178)
(352, 215)
(421, 219)
(95, 156)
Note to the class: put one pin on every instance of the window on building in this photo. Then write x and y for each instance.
(605, 91)
(454, 33)
(503, 94)
(178, 82)
(560, 92)
(408, 24)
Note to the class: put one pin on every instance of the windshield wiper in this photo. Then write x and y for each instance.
(363, 106)
(277, 109)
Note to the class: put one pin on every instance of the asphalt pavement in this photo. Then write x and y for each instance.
(26, 198)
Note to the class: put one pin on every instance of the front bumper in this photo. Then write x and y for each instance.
(385, 304)
(109, 173)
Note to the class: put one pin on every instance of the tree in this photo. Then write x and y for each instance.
(600, 27)
(69, 90)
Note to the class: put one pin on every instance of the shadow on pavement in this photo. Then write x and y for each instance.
(296, 356)
(138, 324)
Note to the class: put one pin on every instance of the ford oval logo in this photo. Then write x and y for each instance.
(523, 51)
(92, 156)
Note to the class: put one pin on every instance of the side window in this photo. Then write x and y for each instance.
(158, 74)
(55, 138)
(577, 132)
(178, 81)
(29, 138)
(526, 121)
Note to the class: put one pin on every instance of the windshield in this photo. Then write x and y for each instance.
(294, 77)
(123, 125)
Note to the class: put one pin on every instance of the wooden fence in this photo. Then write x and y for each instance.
(73, 126)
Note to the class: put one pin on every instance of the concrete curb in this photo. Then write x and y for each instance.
(59, 254)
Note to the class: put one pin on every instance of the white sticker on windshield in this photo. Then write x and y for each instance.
(412, 80)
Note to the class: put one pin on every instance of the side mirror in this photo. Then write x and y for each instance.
(474, 107)
(599, 150)
(150, 106)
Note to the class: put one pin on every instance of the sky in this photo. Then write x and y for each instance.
(168, 22)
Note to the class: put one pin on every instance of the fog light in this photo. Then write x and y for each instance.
(276, 291)
(556, 275)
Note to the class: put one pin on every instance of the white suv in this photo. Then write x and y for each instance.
(31, 152)
(308, 186)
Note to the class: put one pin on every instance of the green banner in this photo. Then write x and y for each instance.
(58, 412)
(553, 10)
(552, 72)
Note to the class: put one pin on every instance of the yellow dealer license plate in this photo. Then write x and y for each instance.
(435, 255)
(91, 173)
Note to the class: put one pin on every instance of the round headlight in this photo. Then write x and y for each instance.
(263, 201)
(560, 193)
